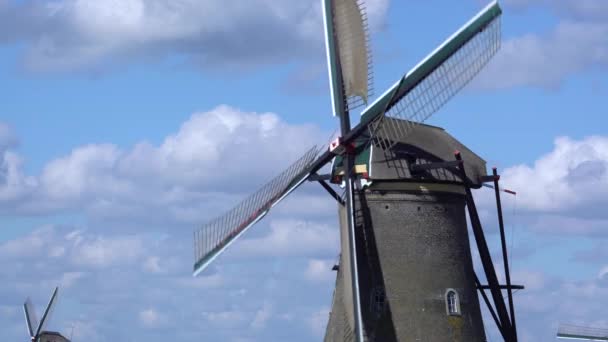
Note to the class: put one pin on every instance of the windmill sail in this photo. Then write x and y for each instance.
(30, 317)
(214, 237)
(569, 331)
(46, 317)
(438, 77)
(348, 53)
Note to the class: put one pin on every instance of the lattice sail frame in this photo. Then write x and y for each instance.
(214, 237)
(583, 333)
(354, 49)
(415, 98)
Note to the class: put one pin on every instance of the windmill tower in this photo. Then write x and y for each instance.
(576, 332)
(37, 330)
(405, 271)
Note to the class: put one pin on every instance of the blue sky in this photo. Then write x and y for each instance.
(126, 124)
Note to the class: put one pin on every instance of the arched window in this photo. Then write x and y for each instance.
(452, 302)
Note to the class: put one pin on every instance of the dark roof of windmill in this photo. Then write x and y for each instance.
(52, 336)
(426, 143)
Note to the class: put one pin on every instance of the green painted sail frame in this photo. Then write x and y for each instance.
(419, 72)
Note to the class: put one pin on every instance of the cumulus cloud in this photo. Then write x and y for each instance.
(562, 192)
(262, 316)
(603, 276)
(572, 179)
(152, 265)
(193, 174)
(292, 238)
(548, 300)
(225, 318)
(578, 43)
(214, 159)
(597, 255)
(318, 321)
(7, 137)
(14, 184)
(151, 318)
(83, 34)
(201, 282)
(102, 252)
(583, 9)
(547, 60)
(563, 224)
(79, 247)
(102, 293)
(320, 271)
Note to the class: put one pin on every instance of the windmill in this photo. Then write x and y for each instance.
(35, 328)
(405, 270)
(576, 332)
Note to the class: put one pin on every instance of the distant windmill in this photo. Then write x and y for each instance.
(576, 332)
(405, 271)
(36, 329)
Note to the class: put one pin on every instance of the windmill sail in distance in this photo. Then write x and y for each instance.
(366, 159)
(577, 332)
(36, 329)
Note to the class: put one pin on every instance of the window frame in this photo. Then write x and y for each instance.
(452, 309)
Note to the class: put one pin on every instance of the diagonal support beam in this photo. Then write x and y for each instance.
(331, 191)
(505, 258)
(486, 258)
(489, 305)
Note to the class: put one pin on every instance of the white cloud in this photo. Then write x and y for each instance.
(152, 265)
(78, 247)
(32, 244)
(201, 282)
(14, 185)
(547, 301)
(292, 238)
(571, 178)
(225, 318)
(151, 318)
(81, 330)
(562, 192)
(262, 316)
(577, 44)
(603, 275)
(87, 168)
(318, 321)
(547, 60)
(8, 311)
(583, 9)
(320, 271)
(569, 225)
(103, 252)
(81, 34)
(533, 280)
(7, 137)
(180, 179)
(68, 279)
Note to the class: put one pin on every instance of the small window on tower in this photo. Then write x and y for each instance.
(452, 302)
